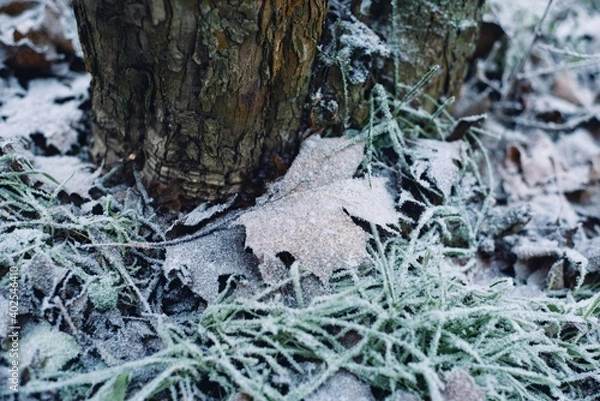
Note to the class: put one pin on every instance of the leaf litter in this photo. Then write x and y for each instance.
(204, 263)
(399, 315)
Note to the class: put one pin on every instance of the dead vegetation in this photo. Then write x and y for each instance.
(425, 256)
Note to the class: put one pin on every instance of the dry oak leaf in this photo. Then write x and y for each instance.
(308, 214)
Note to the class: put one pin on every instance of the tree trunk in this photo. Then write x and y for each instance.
(206, 93)
(212, 96)
(428, 33)
(420, 35)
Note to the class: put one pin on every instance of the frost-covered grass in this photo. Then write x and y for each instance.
(397, 325)
(401, 323)
(37, 225)
(45, 242)
(397, 335)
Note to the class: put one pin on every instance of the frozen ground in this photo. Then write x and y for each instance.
(538, 234)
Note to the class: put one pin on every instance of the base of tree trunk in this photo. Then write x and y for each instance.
(213, 98)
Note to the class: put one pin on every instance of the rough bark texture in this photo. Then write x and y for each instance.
(206, 93)
(211, 96)
(435, 32)
(419, 34)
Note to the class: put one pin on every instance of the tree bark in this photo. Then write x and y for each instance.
(420, 35)
(428, 33)
(212, 96)
(206, 93)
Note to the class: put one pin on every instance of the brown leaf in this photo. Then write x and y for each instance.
(566, 87)
(539, 164)
(308, 213)
(38, 35)
(556, 178)
(16, 7)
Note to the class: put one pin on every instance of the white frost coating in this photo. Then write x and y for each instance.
(342, 386)
(516, 15)
(359, 36)
(47, 349)
(358, 40)
(201, 262)
(54, 18)
(74, 175)
(19, 239)
(436, 163)
(8, 23)
(37, 111)
(204, 212)
(365, 6)
(475, 118)
(307, 213)
(467, 24)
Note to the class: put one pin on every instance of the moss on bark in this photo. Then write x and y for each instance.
(212, 97)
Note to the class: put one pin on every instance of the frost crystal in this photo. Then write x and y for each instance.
(358, 46)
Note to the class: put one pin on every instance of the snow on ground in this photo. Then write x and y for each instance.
(49, 107)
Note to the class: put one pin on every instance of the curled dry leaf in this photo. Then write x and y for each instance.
(436, 162)
(538, 161)
(566, 87)
(545, 263)
(308, 214)
(541, 172)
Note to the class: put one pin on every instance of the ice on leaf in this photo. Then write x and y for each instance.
(436, 162)
(201, 262)
(308, 214)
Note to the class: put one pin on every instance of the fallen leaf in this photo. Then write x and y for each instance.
(46, 349)
(538, 165)
(566, 87)
(557, 179)
(308, 214)
(547, 264)
(464, 124)
(587, 202)
(342, 386)
(44, 274)
(591, 250)
(436, 163)
(460, 386)
(201, 262)
(204, 212)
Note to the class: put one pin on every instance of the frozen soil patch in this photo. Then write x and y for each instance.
(445, 261)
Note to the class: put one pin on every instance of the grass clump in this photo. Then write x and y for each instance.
(399, 325)
(38, 225)
(47, 245)
(402, 324)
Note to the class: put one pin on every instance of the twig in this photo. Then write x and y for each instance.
(208, 229)
(519, 67)
(65, 314)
